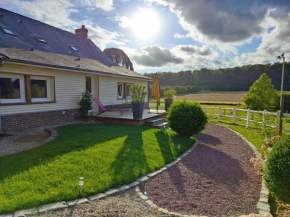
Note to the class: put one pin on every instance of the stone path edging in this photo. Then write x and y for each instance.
(262, 206)
(53, 135)
(65, 204)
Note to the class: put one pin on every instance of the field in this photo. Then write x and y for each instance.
(225, 96)
(225, 99)
(232, 98)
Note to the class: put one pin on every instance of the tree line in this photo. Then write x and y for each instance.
(239, 78)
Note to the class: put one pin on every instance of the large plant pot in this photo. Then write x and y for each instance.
(168, 103)
(137, 108)
(85, 112)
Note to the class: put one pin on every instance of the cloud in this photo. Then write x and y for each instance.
(59, 13)
(177, 35)
(224, 23)
(124, 22)
(181, 57)
(56, 13)
(106, 5)
(155, 56)
(101, 37)
(274, 42)
(190, 49)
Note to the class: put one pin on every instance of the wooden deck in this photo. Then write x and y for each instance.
(127, 117)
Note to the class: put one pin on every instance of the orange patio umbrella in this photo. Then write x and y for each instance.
(155, 89)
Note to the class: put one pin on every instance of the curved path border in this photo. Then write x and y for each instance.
(262, 206)
(65, 204)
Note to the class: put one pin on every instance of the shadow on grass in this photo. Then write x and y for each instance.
(70, 138)
(132, 149)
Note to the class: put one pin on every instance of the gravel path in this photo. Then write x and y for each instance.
(121, 205)
(215, 179)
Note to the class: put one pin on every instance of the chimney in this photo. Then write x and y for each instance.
(83, 32)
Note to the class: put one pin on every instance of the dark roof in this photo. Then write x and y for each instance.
(57, 52)
(58, 40)
(60, 61)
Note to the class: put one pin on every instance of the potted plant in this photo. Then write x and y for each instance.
(138, 94)
(86, 102)
(169, 94)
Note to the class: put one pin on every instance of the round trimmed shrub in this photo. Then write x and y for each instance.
(186, 117)
(277, 171)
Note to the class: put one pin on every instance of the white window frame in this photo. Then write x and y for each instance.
(48, 89)
(128, 97)
(21, 88)
(122, 91)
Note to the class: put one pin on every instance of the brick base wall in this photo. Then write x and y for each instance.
(29, 120)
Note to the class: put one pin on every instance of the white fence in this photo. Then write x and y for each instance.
(248, 119)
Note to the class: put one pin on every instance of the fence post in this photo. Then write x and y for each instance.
(234, 115)
(204, 109)
(219, 114)
(278, 119)
(248, 117)
(264, 119)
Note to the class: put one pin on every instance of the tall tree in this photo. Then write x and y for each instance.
(262, 95)
(119, 57)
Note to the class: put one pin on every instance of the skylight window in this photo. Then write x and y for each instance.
(73, 48)
(7, 31)
(40, 40)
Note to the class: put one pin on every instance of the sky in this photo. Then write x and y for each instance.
(174, 35)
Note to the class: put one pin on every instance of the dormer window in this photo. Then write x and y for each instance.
(73, 48)
(8, 31)
(39, 39)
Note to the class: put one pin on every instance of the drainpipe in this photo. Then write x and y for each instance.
(0, 124)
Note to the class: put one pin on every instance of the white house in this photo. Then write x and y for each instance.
(48, 68)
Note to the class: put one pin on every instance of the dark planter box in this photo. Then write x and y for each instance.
(85, 112)
(168, 103)
(137, 108)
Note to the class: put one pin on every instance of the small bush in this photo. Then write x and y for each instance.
(86, 101)
(186, 118)
(277, 172)
(169, 94)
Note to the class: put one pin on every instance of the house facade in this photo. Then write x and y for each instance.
(44, 70)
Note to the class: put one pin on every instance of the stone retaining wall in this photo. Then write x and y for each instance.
(38, 119)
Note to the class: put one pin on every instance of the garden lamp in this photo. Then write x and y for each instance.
(81, 184)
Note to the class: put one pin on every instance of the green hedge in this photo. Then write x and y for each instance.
(186, 117)
(277, 171)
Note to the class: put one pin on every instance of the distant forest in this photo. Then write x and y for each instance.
(230, 79)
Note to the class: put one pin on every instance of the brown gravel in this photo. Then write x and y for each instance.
(215, 179)
(121, 205)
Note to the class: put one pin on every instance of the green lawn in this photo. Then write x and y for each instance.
(106, 155)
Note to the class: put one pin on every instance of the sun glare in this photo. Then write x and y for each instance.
(146, 24)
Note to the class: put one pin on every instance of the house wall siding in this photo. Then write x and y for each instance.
(108, 89)
(68, 89)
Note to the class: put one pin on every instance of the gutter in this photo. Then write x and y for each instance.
(15, 61)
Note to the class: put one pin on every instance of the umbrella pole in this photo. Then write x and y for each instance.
(157, 105)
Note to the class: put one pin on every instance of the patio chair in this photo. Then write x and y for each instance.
(108, 109)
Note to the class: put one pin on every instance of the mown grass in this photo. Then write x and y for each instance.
(106, 155)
